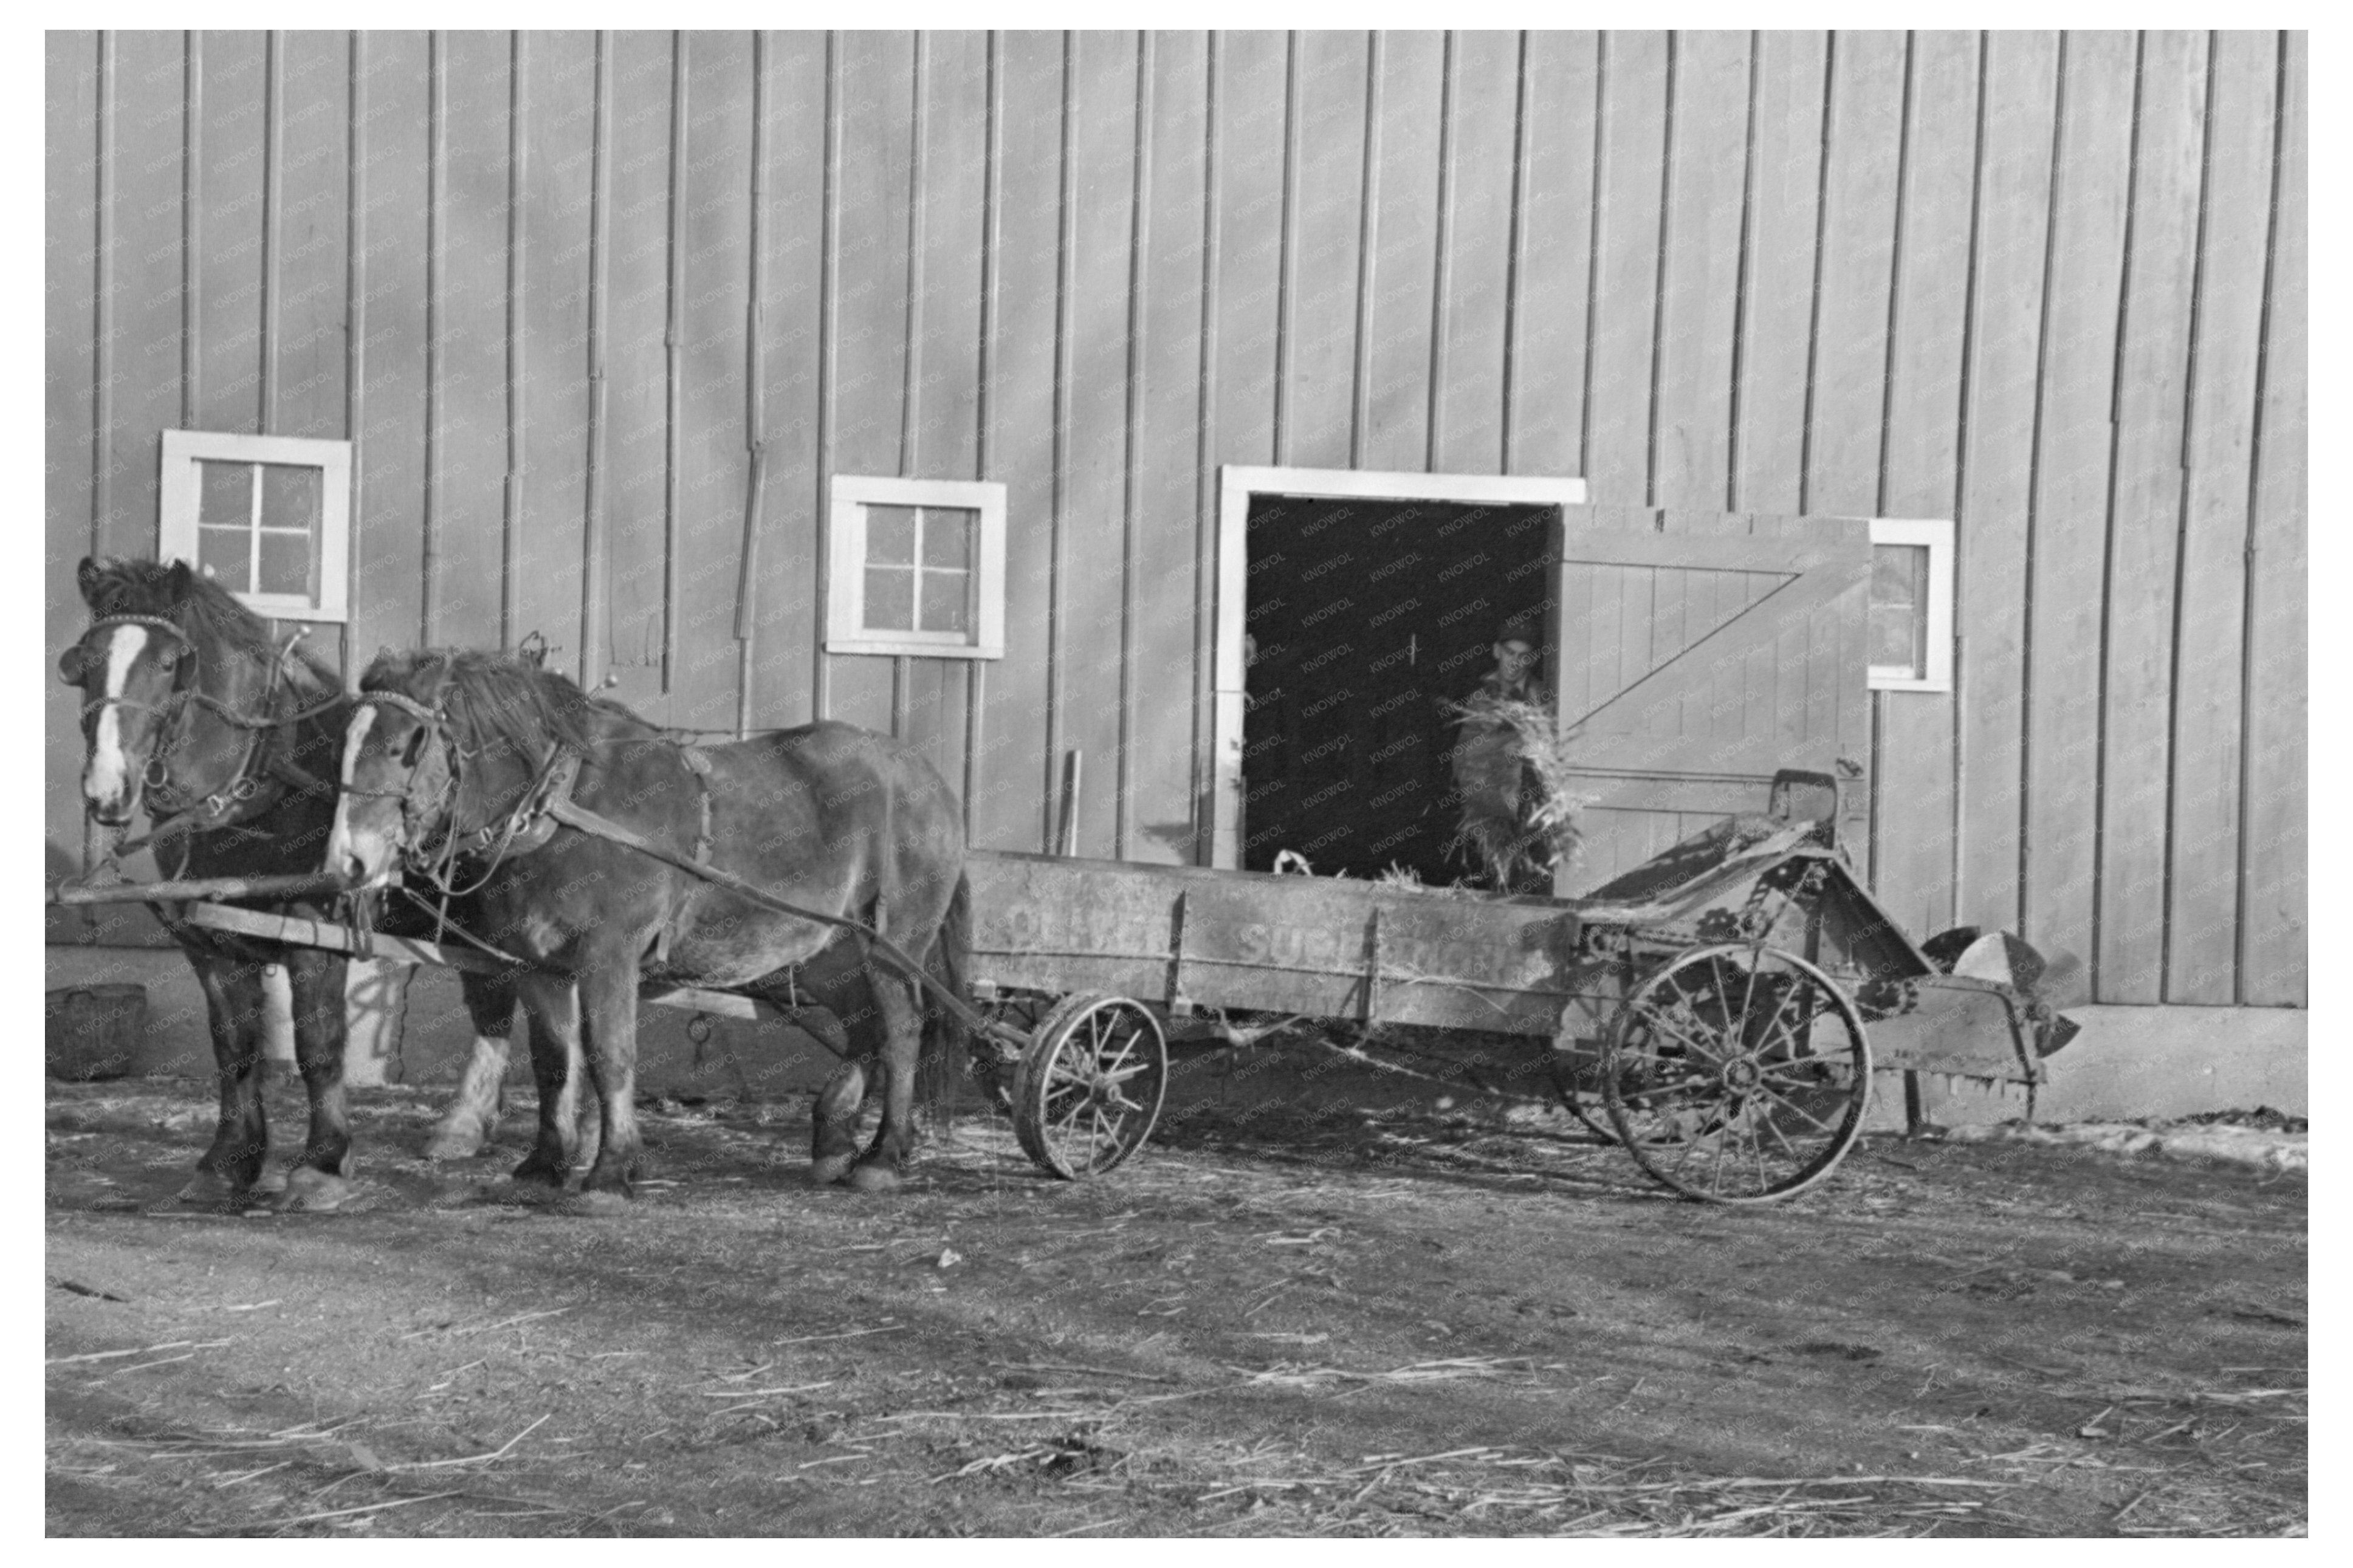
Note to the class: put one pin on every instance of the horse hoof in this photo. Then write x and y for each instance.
(874, 1179)
(211, 1190)
(542, 1172)
(825, 1172)
(309, 1190)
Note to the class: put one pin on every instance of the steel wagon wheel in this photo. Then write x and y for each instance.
(1088, 1090)
(1737, 1074)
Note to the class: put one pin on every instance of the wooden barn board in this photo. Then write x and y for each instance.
(1466, 369)
(1319, 347)
(71, 443)
(230, 159)
(2272, 964)
(2066, 540)
(1777, 276)
(1706, 178)
(467, 273)
(2145, 520)
(1624, 318)
(2020, 94)
(1166, 486)
(1545, 399)
(1397, 310)
(713, 226)
(145, 298)
(388, 430)
(792, 234)
(2209, 717)
(312, 254)
(637, 368)
(1847, 396)
(1913, 767)
(559, 133)
(1013, 801)
(1099, 230)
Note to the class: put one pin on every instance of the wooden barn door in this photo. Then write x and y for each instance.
(1697, 654)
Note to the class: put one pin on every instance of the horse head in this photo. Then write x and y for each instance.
(443, 747)
(165, 654)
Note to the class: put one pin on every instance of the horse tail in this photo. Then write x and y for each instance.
(947, 1038)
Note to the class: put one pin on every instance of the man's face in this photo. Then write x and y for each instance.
(1514, 660)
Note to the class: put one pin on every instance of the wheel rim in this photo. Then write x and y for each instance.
(1738, 1074)
(1091, 1085)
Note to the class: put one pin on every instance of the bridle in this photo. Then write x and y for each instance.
(525, 827)
(256, 767)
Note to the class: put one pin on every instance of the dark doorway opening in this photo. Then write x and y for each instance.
(1364, 619)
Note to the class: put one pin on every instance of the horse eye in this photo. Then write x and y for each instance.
(415, 749)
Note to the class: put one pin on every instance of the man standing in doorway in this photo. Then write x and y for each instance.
(1498, 789)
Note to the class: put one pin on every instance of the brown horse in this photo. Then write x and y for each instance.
(230, 742)
(456, 761)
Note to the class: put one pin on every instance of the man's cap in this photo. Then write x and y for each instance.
(1521, 628)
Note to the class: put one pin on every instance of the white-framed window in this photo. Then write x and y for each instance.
(915, 566)
(1911, 604)
(266, 517)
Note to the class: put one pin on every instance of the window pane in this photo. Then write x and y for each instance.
(221, 556)
(947, 537)
(290, 498)
(946, 597)
(891, 535)
(1895, 637)
(1899, 574)
(890, 599)
(1899, 607)
(285, 564)
(225, 493)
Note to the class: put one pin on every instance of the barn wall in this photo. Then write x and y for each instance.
(2051, 285)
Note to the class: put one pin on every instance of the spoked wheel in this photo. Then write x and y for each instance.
(1089, 1088)
(1737, 1074)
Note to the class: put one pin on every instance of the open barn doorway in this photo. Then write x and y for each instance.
(1365, 617)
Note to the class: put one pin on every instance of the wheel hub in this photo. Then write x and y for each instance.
(1742, 1074)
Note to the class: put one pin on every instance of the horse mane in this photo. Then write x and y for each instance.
(495, 698)
(209, 613)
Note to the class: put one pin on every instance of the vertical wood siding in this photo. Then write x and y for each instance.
(2050, 284)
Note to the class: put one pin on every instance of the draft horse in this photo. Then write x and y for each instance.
(464, 766)
(230, 742)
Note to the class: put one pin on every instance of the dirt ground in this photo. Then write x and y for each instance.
(1280, 1319)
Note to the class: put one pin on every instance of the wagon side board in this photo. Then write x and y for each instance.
(1188, 936)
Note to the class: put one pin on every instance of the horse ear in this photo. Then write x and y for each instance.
(179, 582)
(86, 579)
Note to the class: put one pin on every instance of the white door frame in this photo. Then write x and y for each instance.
(1237, 483)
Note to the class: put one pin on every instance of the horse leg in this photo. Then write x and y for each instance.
(567, 1140)
(472, 1118)
(885, 1160)
(833, 1138)
(609, 1017)
(234, 998)
(320, 1179)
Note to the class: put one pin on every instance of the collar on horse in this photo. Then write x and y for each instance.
(263, 773)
